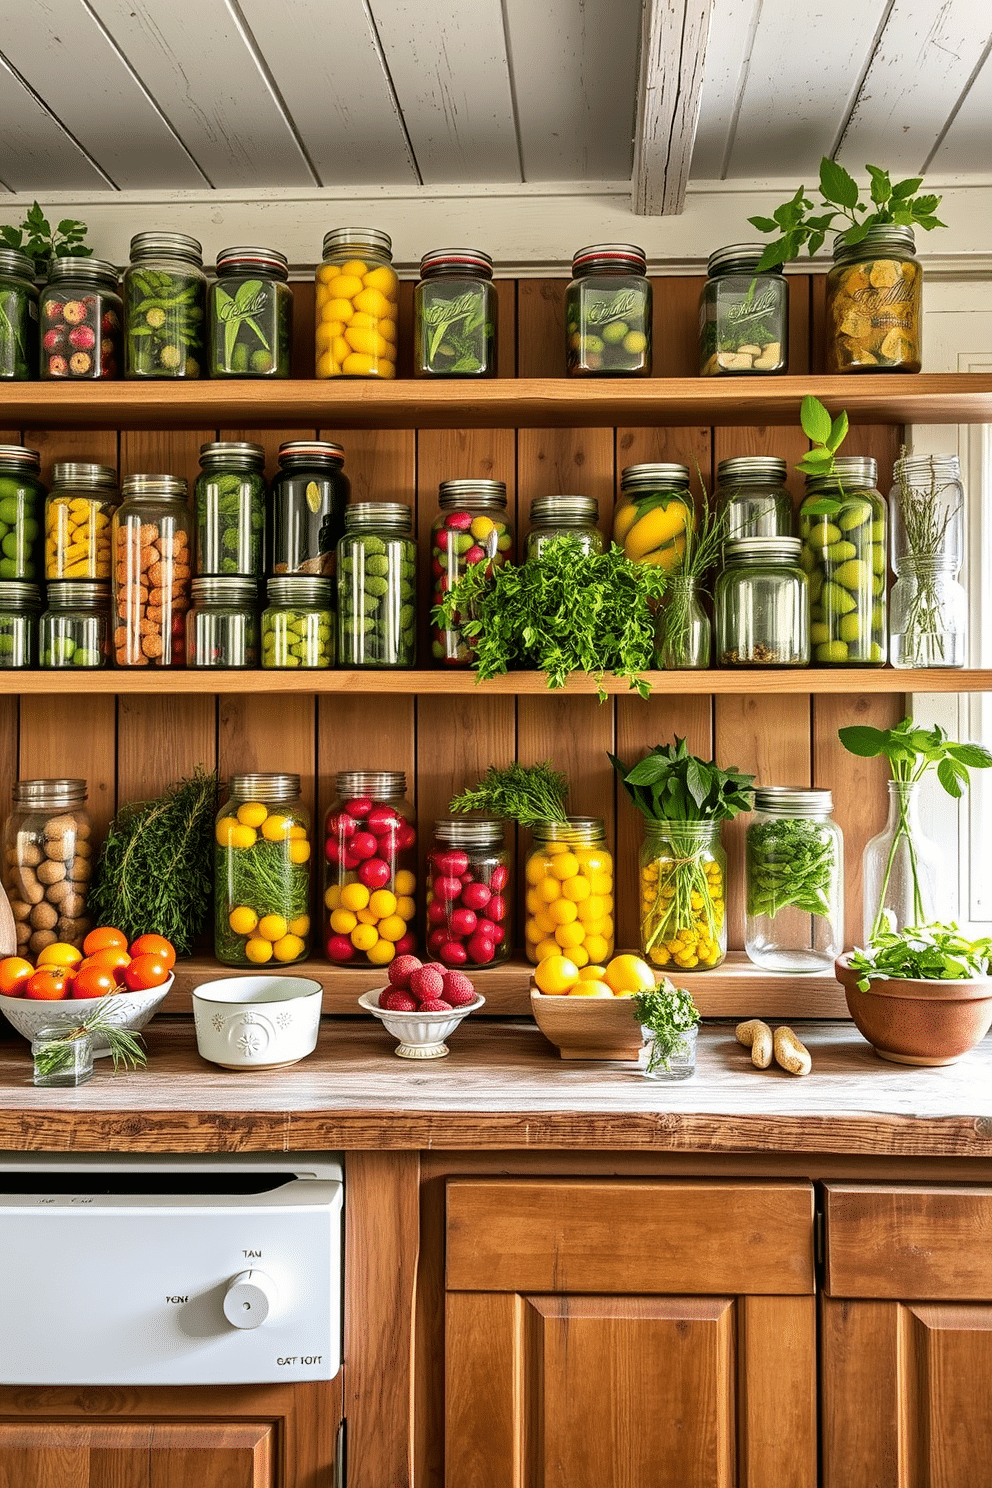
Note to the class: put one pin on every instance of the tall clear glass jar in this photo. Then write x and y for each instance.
(78, 514)
(75, 629)
(570, 907)
(357, 305)
(48, 863)
(81, 318)
(165, 307)
(683, 636)
(18, 317)
(471, 527)
(654, 514)
(682, 876)
(552, 517)
(874, 303)
(370, 869)
(751, 490)
(904, 878)
(928, 613)
(761, 604)
(22, 505)
(794, 866)
(309, 494)
(229, 501)
(298, 623)
(19, 608)
(250, 314)
(468, 898)
(222, 627)
(455, 315)
(262, 872)
(608, 313)
(152, 572)
(377, 586)
(842, 526)
(743, 315)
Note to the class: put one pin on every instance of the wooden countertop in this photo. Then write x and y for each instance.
(504, 1087)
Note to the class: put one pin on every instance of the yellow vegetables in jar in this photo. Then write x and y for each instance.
(356, 315)
(653, 529)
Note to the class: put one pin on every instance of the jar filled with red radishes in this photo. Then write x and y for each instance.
(471, 527)
(370, 861)
(468, 902)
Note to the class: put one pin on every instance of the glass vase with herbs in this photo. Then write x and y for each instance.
(63, 1053)
(669, 1021)
(683, 636)
(454, 315)
(928, 620)
(794, 862)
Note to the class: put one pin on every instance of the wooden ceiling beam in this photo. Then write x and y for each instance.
(673, 49)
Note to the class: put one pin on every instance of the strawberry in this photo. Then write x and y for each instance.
(400, 969)
(397, 1002)
(435, 1005)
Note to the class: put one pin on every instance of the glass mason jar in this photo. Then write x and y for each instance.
(468, 901)
(20, 605)
(22, 504)
(675, 1062)
(309, 494)
(262, 866)
(48, 863)
(81, 318)
(654, 514)
(928, 613)
(18, 317)
(751, 490)
(377, 586)
(842, 526)
(552, 517)
(75, 629)
(250, 314)
(794, 865)
(165, 302)
(569, 874)
(454, 315)
(229, 501)
(78, 514)
(150, 539)
(683, 638)
(608, 313)
(874, 310)
(357, 305)
(61, 1058)
(743, 315)
(222, 626)
(470, 528)
(903, 873)
(761, 604)
(298, 623)
(370, 869)
(682, 875)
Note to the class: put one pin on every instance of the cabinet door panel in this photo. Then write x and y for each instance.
(222, 1455)
(903, 1242)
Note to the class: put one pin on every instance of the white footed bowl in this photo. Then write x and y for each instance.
(421, 1035)
(257, 1022)
(129, 1010)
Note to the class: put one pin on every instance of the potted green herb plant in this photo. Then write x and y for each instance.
(669, 1021)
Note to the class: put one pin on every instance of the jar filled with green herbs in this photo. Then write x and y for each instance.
(555, 517)
(262, 867)
(794, 860)
(229, 499)
(18, 317)
(454, 315)
(165, 293)
(250, 314)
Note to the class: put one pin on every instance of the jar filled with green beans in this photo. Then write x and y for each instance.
(165, 294)
(794, 856)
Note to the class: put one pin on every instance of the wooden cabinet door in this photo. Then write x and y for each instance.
(635, 1334)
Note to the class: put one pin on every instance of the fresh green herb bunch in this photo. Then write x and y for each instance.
(41, 243)
(926, 516)
(790, 865)
(668, 1013)
(525, 794)
(928, 952)
(827, 435)
(125, 1047)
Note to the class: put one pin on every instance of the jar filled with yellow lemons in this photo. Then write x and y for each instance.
(262, 857)
(357, 304)
(569, 896)
(654, 515)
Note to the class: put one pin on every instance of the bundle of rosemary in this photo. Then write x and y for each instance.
(57, 1056)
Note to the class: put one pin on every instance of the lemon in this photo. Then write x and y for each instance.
(240, 836)
(406, 906)
(252, 814)
(548, 890)
(593, 908)
(564, 865)
(391, 928)
(569, 936)
(577, 888)
(537, 867)
(364, 937)
(354, 896)
(299, 852)
(300, 926)
(555, 975)
(272, 927)
(598, 947)
(591, 973)
(405, 882)
(225, 827)
(276, 828)
(590, 989)
(629, 974)
(332, 896)
(562, 912)
(258, 950)
(544, 949)
(242, 920)
(382, 904)
(288, 948)
(381, 953)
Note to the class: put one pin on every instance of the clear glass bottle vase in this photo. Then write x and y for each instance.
(682, 629)
(903, 872)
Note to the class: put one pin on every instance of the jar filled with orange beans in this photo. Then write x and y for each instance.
(151, 549)
(357, 305)
(569, 900)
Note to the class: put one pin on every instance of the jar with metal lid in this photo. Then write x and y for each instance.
(309, 494)
(554, 517)
(743, 315)
(81, 320)
(150, 538)
(222, 626)
(683, 887)
(751, 490)
(370, 869)
(18, 317)
(454, 315)
(75, 629)
(928, 614)
(654, 514)
(468, 900)
(874, 303)
(608, 313)
(842, 526)
(250, 314)
(569, 901)
(357, 305)
(262, 868)
(794, 865)
(22, 503)
(471, 527)
(48, 862)
(78, 514)
(298, 623)
(165, 302)
(377, 586)
(761, 604)
(229, 501)
(20, 605)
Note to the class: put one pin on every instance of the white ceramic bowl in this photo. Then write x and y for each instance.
(421, 1035)
(257, 1022)
(130, 1010)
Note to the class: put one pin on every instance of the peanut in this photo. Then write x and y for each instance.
(757, 1037)
(790, 1053)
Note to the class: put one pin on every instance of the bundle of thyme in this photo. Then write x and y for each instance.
(524, 794)
(668, 1014)
(926, 516)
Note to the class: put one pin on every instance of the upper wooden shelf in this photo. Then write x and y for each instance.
(525, 402)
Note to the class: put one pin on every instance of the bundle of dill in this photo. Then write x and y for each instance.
(525, 794)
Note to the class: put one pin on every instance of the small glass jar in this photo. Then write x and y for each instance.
(842, 526)
(229, 501)
(18, 317)
(673, 1060)
(377, 586)
(78, 514)
(743, 315)
(20, 605)
(608, 313)
(22, 505)
(81, 318)
(298, 623)
(794, 865)
(553, 517)
(165, 302)
(761, 604)
(928, 613)
(569, 900)
(48, 863)
(751, 490)
(874, 303)
(468, 899)
(470, 528)
(370, 869)
(654, 514)
(75, 629)
(454, 315)
(683, 636)
(262, 868)
(222, 626)
(357, 305)
(62, 1058)
(309, 495)
(152, 573)
(250, 314)
(683, 888)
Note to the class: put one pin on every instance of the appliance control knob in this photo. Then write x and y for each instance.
(250, 1297)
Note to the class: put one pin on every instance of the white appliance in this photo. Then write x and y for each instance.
(169, 1271)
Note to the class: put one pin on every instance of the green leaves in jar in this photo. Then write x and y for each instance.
(250, 328)
(790, 864)
(164, 315)
(455, 332)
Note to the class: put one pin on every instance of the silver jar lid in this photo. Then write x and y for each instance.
(618, 258)
(464, 831)
(793, 800)
(917, 468)
(859, 472)
(81, 475)
(15, 595)
(260, 260)
(877, 242)
(762, 550)
(375, 783)
(302, 590)
(756, 469)
(738, 258)
(471, 494)
(95, 271)
(575, 831)
(168, 487)
(648, 477)
(224, 589)
(371, 238)
(236, 451)
(310, 451)
(19, 264)
(70, 594)
(366, 516)
(58, 793)
(261, 786)
(19, 454)
(167, 245)
(450, 260)
(571, 511)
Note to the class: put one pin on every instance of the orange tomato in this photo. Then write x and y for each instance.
(93, 981)
(155, 945)
(15, 973)
(50, 984)
(113, 959)
(103, 938)
(144, 972)
(59, 954)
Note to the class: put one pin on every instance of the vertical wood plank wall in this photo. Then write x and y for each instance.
(130, 747)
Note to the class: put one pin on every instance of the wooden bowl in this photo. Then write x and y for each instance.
(915, 1021)
(588, 1027)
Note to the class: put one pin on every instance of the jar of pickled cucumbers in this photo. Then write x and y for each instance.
(78, 514)
(654, 514)
(22, 504)
(298, 623)
(229, 501)
(370, 863)
(165, 305)
(262, 868)
(357, 305)
(222, 626)
(470, 528)
(18, 316)
(19, 608)
(309, 494)
(608, 313)
(682, 877)
(553, 517)
(81, 317)
(569, 874)
(377, 586)
(842, 526)
(468, 899)
(454, 315)
(75, 629)
(250, 311)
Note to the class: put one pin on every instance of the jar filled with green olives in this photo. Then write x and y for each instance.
(18, 317)
(250, 309)
(377, 586)
(298, 623)
(165, 302)
(22, 508)
(608, 313)
(842, 526)
(230, 509)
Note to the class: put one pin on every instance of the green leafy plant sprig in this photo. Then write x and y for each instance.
(825, 434)
(525, 794)
(923, 952)
(41, 242)
(125, 1047)
(668, 1013)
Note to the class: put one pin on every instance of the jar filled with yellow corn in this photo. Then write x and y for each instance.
(654, 514)
(682, 878)
(357, 302)
(569, 876)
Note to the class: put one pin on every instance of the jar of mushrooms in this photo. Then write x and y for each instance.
(48, 863)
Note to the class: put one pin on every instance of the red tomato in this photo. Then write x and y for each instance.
(113, 959)
(145, 971)
(103, 937)
(50, 984)
(93, 981)
(15, 972)
(155, 945)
